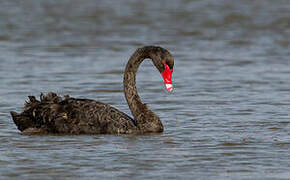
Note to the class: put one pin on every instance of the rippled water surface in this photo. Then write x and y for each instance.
(229, 116)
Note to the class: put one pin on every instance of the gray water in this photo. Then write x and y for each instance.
(229, 115)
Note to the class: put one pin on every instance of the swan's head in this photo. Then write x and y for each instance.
(164, 62)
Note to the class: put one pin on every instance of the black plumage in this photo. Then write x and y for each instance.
(55, 115)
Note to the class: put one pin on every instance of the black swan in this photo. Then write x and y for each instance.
(54, 115)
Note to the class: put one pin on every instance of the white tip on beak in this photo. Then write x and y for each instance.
(169, 87)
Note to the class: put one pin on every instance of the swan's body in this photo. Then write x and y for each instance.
(52, 114)
(72, 116)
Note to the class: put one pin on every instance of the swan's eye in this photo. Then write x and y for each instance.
(170, 65)
(163, 62)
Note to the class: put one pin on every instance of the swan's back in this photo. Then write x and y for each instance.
(52, 114)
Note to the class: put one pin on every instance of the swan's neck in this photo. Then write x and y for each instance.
(146, 120)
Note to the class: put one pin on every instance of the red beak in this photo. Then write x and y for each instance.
(167, 74)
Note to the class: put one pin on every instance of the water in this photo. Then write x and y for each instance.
(227, 118)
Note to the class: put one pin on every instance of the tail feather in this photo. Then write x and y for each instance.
(14, 117)
(22, 122)
(31, 103)
(32, 99)
(50, 98)
(35, 112)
